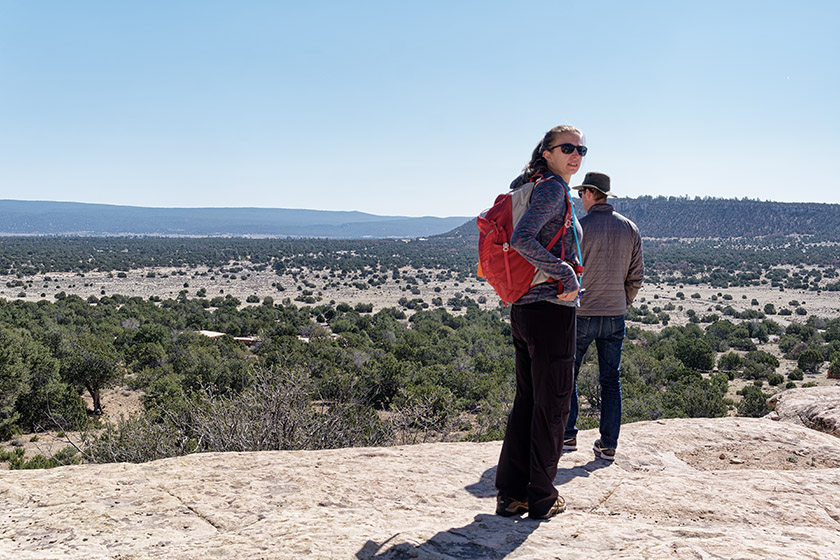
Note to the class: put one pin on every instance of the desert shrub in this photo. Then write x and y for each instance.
(32, 394)
(66, 456)
(695, 354)
(796, 375)
(804, 331)
(698, 397)
(772, 326)
(775, 379)
(730, 362)
(753, 403)
(762, 357)
(787, 342)
(796, 351)
(810, 360)
(275, 412)
(422, 413)
(834, 369)
(757, 369)
(832, 330)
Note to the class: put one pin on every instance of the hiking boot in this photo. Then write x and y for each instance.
(507, 507)
(604, 453)
(570, 444)
(559, 506)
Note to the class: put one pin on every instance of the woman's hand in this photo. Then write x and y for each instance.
(567, 296)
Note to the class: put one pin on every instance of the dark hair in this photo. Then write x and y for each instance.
(538, 165)
(597, 195)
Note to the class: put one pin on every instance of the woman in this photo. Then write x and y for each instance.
(543, 325)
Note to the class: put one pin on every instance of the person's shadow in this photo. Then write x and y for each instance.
(489, 536)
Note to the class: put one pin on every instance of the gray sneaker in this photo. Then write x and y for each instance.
(604, 453)
(570, 444)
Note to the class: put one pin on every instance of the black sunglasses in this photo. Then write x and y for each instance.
(569, 148)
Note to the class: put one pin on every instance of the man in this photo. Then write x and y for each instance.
(613, 273)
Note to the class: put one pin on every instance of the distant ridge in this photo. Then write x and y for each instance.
(715, 217)
(18, 217)
(656, 217)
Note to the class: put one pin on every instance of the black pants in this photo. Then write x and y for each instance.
(544, 339)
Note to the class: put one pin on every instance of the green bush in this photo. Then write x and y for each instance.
(834, 369)
(796, 375)
(753, 403)
(730, 362)
(66, 456)
(775, 379)
(695, 354)
(810, 360)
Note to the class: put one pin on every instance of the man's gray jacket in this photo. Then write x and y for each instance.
(613, 266)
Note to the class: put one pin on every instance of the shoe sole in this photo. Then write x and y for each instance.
(604, 456)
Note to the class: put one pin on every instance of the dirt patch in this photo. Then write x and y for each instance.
(737, 456)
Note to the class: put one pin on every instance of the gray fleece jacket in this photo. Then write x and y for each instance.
(541, 221)
(612, 261)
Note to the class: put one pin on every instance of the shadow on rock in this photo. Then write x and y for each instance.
(488, 536)
(581, 471)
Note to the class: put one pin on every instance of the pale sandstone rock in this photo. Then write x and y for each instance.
(814, 407)
(673, 493)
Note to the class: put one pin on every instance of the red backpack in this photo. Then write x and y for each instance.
(504, 269)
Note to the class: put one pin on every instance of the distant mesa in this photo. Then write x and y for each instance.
(19, 217)
(659, 217)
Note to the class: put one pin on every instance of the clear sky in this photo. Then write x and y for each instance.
(412, 107)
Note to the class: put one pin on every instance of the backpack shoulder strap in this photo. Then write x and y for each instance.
(567, 221)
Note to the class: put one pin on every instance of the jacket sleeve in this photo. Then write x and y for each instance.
(636, 271)
(547, 202)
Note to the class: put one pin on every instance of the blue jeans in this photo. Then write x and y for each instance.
(608, 334)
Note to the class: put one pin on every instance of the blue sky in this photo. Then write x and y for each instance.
(412, 108)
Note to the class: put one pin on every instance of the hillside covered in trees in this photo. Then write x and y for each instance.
(713, 218)
(717, 217)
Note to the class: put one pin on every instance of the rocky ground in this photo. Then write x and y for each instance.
(679, 489)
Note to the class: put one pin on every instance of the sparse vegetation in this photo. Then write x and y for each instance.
(355, 372)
